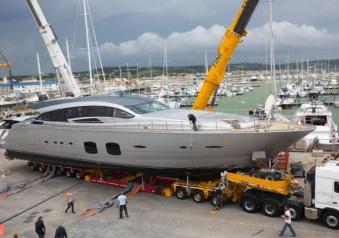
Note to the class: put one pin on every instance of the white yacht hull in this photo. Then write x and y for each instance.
(145, 148)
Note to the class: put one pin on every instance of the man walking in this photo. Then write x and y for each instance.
(40, 228)
(122, 203)
(60, 232)
(70, 202)
(287, 223)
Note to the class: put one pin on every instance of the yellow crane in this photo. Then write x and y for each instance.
(229, 43)
(7, 65)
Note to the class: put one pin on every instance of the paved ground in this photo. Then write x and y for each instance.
(150, 215)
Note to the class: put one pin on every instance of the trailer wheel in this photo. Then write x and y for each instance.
(41, 168)
(270, 177)
(31, 166)
(270, 208)
(59, 171)
(249, 204)
(79, 175)
(331, 220)
(198, 196)
(69, 173)
(181, 193)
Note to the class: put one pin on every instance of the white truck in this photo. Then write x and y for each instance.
(321, 194)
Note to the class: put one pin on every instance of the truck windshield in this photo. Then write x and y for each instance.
(148, 107)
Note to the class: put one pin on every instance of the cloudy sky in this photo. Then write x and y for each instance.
(135, 30)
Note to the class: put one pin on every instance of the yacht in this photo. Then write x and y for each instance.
(318, 115)
(140, 133)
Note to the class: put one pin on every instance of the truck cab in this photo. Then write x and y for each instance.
(322, 194)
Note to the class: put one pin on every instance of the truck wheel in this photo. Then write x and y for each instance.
(181, 193)
(331, 220)
(79, 175)
(69, 173)
(296, 212)
(249, 204)
(198, 196)
(270, 208)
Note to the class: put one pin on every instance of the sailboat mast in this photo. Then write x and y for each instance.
(68, 55)
(150, 66)
(271, 43)
(120, 74)
(88, 47)
(206, 63)
(39, 70)
(138, 79)
(97, 47)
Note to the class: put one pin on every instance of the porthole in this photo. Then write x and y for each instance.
(61, 143)
(183, 147)
(91, 147)
(140, 146)
(46, 141)
(55, 142)
(113, 148)
(70, 143)
(213, 146)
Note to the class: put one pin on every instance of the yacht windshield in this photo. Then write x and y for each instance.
(148, 107)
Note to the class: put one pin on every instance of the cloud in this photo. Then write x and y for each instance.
(287, 34)
(187, 8)
(193, 43)
(178, 43)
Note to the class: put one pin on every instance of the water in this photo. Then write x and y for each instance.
(241, 104)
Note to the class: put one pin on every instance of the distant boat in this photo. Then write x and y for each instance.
(318, 115)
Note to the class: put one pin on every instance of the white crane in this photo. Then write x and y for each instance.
(69, 85)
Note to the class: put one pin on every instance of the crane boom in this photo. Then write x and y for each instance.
(230, 41)
(68, 82)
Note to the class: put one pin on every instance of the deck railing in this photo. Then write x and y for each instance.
(218, 123)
